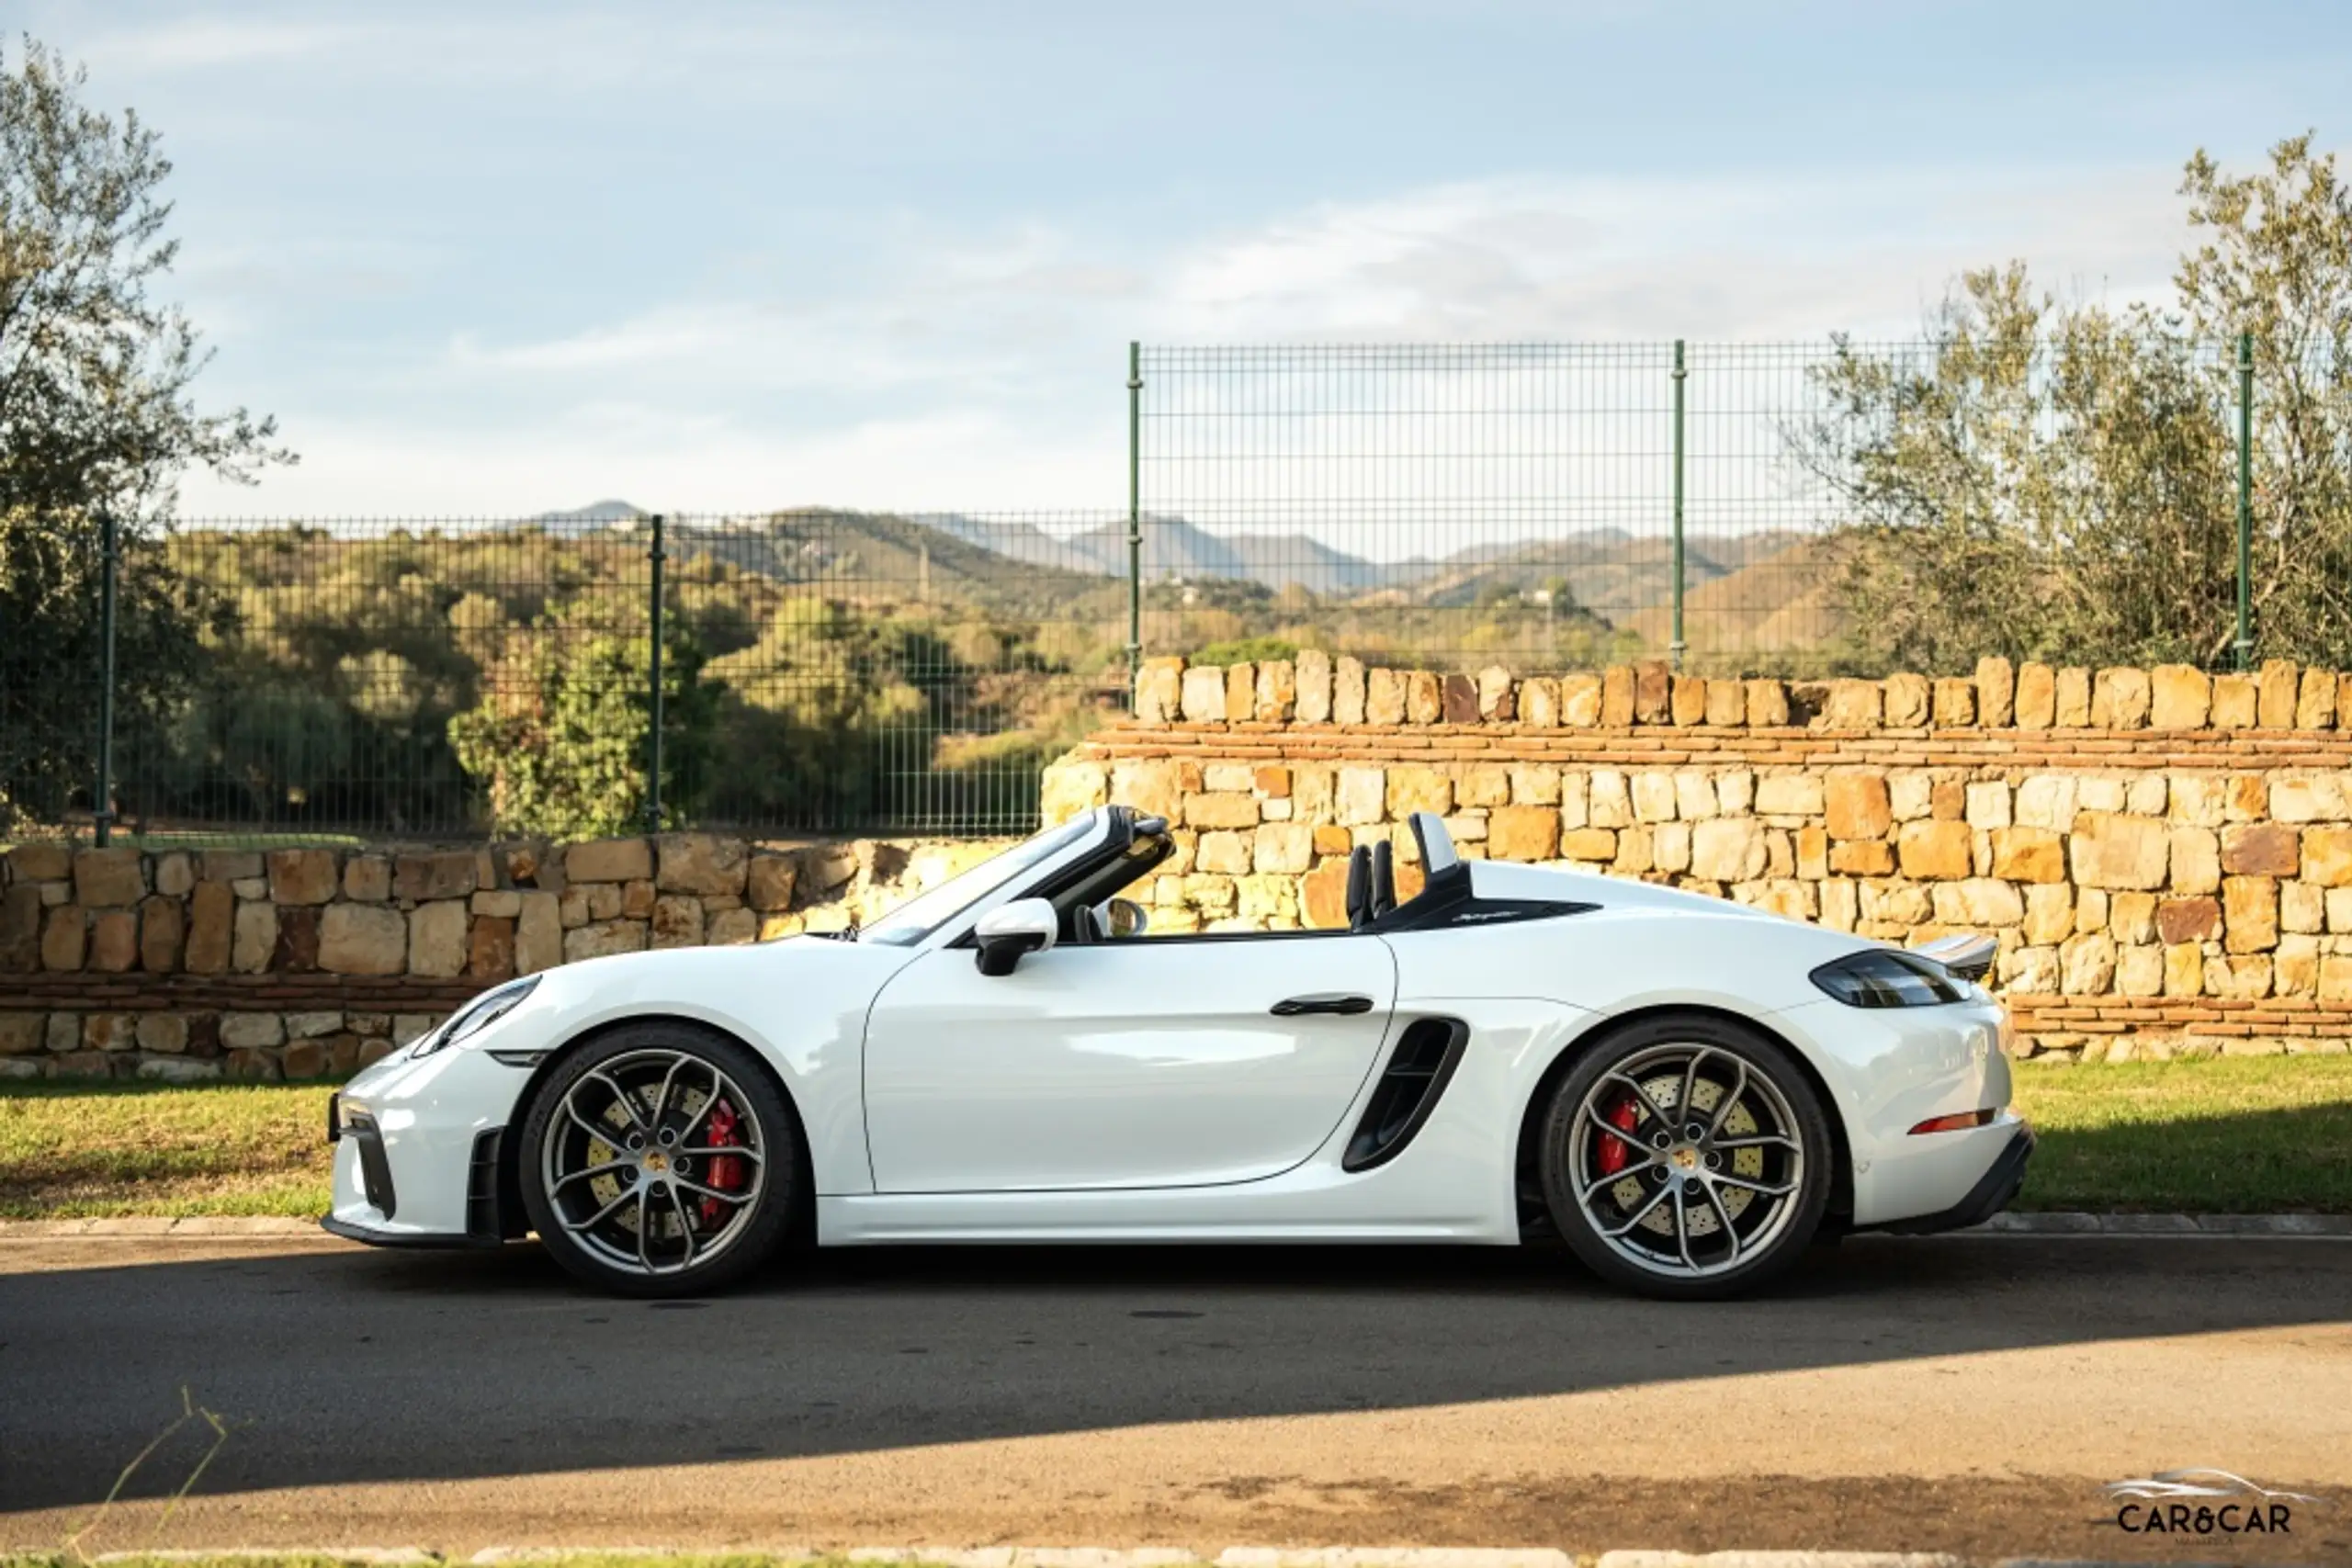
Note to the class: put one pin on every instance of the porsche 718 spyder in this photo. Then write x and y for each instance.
(1684, 1090)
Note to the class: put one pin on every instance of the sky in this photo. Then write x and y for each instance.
(497, 260)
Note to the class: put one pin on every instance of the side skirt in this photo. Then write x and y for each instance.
(1109, 1217)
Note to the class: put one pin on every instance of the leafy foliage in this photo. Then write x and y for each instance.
(1245, 650)
(808, 702)
(97, 415)
(425, 680)
(558, 739)
(2277, 262)
(94, 375)
(50, 614)
(2056, 480)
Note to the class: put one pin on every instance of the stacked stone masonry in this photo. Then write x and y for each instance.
(295, 962)
(2164, 856)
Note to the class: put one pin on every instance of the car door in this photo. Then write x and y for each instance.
(1152, 1062)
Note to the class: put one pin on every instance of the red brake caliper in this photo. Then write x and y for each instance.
(1614, 1153)
(727, 1172)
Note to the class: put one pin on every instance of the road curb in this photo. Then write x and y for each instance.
(144, 1227)
(357, 1556)
(1780, 1560)
(1027, 1556)
(1392, 1557)
(1082, 1557)
(2075, 1222)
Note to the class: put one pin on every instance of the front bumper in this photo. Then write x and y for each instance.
(350, 1232)
(494, 1206)
(421, 1156)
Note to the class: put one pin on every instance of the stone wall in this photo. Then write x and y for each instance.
(300, 962)
(2165, 857)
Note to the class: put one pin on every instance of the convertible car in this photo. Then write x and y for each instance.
(1684, 1091)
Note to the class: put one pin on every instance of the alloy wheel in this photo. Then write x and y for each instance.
(653, 1162)
(1686, 1161)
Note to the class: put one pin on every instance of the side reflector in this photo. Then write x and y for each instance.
(1958, 1122)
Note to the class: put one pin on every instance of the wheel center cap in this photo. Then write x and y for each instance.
(1684, 1158)
(655, 1162)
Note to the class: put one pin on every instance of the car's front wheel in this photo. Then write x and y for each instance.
(658, 1160)
(1688, 1157)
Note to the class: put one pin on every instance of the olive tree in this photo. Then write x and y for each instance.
(2055, 479)
(98, 417)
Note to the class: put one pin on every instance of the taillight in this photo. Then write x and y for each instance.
(1959, 1120)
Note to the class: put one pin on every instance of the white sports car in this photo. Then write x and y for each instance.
(1684, 1090)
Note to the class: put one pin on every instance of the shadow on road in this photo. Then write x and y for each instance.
(353, 1366)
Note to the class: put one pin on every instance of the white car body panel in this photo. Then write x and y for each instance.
(430, 1112)
(1449, 1186)
(1129, 1063)
(1141, 1091)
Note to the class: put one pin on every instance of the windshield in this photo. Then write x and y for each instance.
(926, 912)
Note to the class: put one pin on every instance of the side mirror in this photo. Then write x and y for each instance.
(1125, 917)
(1025, 925)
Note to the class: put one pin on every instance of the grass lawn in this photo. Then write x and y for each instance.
(77, 1150)
(163, 839)
(2240, 1135)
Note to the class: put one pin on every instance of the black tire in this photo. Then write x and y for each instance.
(711, 1089)
(1740, 1204)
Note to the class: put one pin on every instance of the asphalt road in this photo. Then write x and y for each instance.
(1961, 1394)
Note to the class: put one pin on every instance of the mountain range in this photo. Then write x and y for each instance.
(1611, 570)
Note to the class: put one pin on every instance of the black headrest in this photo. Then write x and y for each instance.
(1358, 886)
(1384, 879)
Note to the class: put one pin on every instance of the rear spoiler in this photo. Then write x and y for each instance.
(1966, 955)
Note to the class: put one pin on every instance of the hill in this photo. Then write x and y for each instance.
(1175, 547)
(880, 557)
(1763, 591)
(594, 517)
(1781, 602)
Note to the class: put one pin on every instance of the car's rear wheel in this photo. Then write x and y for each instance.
(1687, 1156)
(660, 1160)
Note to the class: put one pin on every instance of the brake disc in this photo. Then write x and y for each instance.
(1666, 1093)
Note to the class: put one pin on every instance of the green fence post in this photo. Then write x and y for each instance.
(102, 814)
(654, 556)
(1134, 520)
(1675, 648)
(2246, 501)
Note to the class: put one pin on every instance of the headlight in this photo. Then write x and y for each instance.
(478, 1014)
(1884, 978)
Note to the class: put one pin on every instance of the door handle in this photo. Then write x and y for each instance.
(1322, 1002)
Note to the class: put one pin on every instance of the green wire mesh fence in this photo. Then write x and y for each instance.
(1797, 509)
(1427, 506)
(1794, 509)
(819, 672)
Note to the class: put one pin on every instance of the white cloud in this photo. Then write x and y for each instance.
(939, 462)
(1588, 261)
(979, 370)
(715, 56)
(203, 43)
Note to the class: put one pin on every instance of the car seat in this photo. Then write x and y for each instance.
(1384, 882)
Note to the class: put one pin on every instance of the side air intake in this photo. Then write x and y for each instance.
(1408, 1090)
